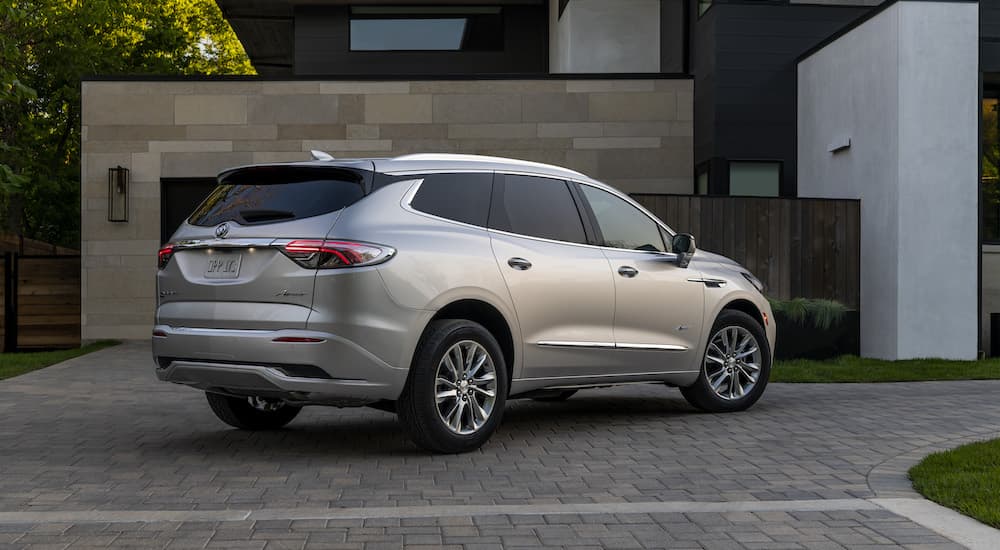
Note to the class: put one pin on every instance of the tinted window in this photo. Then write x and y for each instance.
(461, 197)
(538, 207)
(623, 225)
(271, 195)
(426, 28)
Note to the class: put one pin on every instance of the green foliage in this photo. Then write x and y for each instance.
(822, 314)
(966, 479)
(14, 364)
(849, 368)
(46, 47)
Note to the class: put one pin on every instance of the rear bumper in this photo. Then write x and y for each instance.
(333, 371)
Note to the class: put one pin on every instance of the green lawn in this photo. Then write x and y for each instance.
(966, 479)
(856, 369)
(13, 364)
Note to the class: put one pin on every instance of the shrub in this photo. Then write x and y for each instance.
(821, 314)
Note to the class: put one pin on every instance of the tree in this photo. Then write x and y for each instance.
(46, 47)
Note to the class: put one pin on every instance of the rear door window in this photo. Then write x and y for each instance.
(279, 194)
(460, 197)
(537, 207)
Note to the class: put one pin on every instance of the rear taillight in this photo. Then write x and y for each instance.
(166, 252)
(317, 254)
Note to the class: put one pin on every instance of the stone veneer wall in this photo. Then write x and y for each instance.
(635, 134)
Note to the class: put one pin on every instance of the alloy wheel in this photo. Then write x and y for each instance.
(732, 362)
(465, 387)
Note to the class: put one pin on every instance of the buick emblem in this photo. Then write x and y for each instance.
(222, 231)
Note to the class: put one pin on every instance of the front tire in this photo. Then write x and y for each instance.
(251, 413)
(736, 365)
(455, 396)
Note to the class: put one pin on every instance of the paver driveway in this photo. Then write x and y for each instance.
(629, 466)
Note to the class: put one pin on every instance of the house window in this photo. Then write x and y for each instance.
(701, 180)
(426, 28)
(754, 179)
(990, 180)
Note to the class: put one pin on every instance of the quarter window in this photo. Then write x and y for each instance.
(537, 207)
(623, 225)
(460, 197)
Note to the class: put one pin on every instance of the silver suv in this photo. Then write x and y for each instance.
(439, 287)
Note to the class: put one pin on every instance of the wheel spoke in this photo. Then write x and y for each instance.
(478, 364)
(459, 361)
(752, 377)
(442, 395)
(485, 378)
(717, 383)
(469, 352)
(747, 353)
(481, 391)
(456, 422)
(719, 356)
(479, 414)
(739, 387)
(752, 366)
(445, 382)
(450, 364)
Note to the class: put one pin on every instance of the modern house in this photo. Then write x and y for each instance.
(832, 98)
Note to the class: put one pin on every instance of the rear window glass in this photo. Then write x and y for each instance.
(460, 197)
(271, 195)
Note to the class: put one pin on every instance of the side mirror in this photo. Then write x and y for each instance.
(682, 244)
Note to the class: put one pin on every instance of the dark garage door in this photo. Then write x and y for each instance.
(178, 198)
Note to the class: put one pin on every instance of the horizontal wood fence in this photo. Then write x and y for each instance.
(806, 248)
(41, 302)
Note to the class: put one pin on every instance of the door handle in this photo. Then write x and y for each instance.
(519, 264)
(628, 271)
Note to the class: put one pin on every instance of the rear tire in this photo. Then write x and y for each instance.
(736, 365)
(238, 412)
(455, 395)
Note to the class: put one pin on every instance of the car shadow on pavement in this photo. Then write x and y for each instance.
(346, 433)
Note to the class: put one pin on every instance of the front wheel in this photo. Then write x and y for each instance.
(251, 413)
(455, 396)
(736, 365)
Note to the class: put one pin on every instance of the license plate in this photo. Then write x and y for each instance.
(224, 266)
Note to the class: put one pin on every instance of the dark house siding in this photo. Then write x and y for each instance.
(989, 17)
(746, 82)
(322, 48)
(673, 37)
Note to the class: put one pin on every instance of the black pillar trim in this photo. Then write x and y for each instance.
(562, 6)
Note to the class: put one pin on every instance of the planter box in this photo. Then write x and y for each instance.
(805, 341)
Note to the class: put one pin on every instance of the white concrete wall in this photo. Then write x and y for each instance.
(605, 36)
(903, 88)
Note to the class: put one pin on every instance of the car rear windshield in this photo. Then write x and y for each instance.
(279, 194)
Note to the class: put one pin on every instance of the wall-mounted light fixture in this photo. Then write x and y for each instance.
(839, 144)
(118, 194)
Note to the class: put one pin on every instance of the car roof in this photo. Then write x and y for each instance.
(435, 162)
